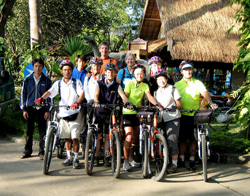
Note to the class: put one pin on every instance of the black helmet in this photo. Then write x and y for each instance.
(66, 62)
(110, 66)
(139, 66)
(161, 74)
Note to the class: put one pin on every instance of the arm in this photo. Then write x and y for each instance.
(86, 88)
(123, 96)
(206, 95)
(178, 104)
(151, 98)
(118, 80)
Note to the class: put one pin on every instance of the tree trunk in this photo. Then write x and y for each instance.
(35, 23)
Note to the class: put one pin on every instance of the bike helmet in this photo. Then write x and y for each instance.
(139, 66)
(66, 62)
(110, 66)
(161, 74)
(186, 64)
(154, 59)
(95, 60)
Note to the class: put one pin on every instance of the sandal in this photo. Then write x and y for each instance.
(24, 155)
(41, 156)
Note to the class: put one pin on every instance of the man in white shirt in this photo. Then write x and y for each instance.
(71, 94)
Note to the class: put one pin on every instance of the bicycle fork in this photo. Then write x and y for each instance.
(203, 131)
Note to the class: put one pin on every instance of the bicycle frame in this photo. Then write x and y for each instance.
(92, 125)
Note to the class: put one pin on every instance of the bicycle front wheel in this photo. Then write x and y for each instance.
(204, 156)
(116, 156)
(90, 152)
(145, 155)
(48, 150)
(158, 164)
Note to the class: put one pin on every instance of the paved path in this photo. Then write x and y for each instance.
(25, 178)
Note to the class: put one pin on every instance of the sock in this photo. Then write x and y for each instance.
(69, 154)
(174, 162)
(182, 157)
(191, 158)
(76, 155)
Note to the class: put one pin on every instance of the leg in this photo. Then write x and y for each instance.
(98, 145)
(30, 131)
(135, 139)
(42, 130)
(127, 142)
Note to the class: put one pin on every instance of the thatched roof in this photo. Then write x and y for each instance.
(196, 30)
(154, 46)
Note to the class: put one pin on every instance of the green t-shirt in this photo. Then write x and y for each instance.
(190, 94)
(136, 92)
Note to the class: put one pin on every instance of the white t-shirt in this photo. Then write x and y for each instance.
(89, 87)
(68, 95)
(167, 97)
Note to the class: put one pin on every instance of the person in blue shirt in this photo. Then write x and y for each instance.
(125, 75)
(80, 72)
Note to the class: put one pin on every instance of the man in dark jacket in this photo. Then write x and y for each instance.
(34, 85)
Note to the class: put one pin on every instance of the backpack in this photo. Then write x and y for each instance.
(123, 76)
(59, 86)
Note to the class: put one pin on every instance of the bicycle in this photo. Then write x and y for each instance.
(114, 139)
(52, 137)
(153, 145)
(201, 119)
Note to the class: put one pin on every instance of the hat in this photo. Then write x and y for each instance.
(186, 65)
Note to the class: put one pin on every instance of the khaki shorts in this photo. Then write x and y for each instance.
(70, 129)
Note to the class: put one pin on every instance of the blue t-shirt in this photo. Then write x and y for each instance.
(80, 75)
(127, 77)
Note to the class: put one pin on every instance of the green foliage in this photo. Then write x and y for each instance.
(3, 45)
(227, 142)
(242, 62)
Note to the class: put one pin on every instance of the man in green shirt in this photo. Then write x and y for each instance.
(190, 89)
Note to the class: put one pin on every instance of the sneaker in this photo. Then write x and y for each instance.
(106, 161)
(173, 168)
(96, 162)
(67, 162)
(192, 165)
(126, 166)
(134, 164)
(76, 164)
(181, 163)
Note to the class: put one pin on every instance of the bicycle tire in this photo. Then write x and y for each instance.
(48, 151)
(145, 155)
(159, 163)
(204, 156)
(90, 152)
(116, 156)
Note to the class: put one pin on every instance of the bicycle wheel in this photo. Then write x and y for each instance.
(145, 155)
(116, 156)
(48, 150)
(90, 152)
(204, 155)
(158, 164)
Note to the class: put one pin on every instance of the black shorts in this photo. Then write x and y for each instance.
(103, 126)
(130, 120)
(187, 129)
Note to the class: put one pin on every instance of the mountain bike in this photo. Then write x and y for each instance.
(201, 119)
(153, 145)
(52, 136)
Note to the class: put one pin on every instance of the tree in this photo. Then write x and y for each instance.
(35, 23)
(242, 109)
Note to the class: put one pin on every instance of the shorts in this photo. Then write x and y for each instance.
(187, 129)
(130, 120)
(103, 125)
(171, 133)
(70, 129)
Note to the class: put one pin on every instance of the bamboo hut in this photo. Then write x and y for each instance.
(194, 30)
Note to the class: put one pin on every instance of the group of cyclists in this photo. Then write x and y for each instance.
(100, 82)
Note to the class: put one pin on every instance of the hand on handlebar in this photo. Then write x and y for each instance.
(129, 105)
(39, 101)
(96, 104)
(74, 106)
(213, 105)
(173, 109)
